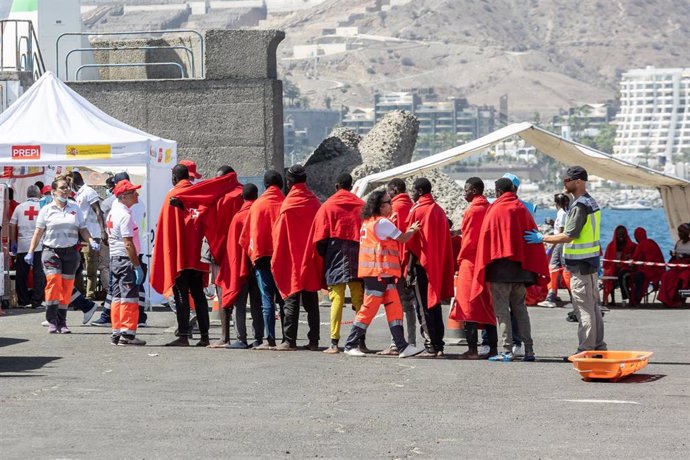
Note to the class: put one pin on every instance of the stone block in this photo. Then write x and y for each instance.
(240, 54)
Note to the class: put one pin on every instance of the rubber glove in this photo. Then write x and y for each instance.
(139, 274)
(94, 245)
(29, 258)
(534, 236)
(13, 248)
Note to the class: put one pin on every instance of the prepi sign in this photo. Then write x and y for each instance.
(26, 152)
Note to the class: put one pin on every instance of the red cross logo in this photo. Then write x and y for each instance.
(109, 224)
(31, 213)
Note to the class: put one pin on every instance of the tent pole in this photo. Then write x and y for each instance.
(148, 231)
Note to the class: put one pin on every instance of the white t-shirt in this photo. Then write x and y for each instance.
(121, 225)
(25, 217)
(559, 223)
(107, 204)
(385, 229)
(61, 225)
(682, 248)
(86, 196)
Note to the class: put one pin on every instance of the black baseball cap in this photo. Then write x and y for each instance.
(576, 172)
(120, 176)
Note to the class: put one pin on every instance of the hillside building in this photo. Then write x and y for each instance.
(653, 122)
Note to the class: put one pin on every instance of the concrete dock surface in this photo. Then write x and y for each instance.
(76, 396)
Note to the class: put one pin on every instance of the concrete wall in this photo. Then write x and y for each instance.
(233, 116)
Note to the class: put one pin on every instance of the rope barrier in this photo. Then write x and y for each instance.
(646, 264)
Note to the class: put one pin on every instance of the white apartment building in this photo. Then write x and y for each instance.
(653, 121)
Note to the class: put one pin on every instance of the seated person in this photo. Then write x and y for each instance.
(648, 251)
(621, 247)
(677, 277)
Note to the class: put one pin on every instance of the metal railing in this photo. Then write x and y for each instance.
(133, 64)
(189, 53)
(26, 53)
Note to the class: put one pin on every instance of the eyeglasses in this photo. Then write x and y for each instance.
(568, 179)
(384, 202)
(64, 187)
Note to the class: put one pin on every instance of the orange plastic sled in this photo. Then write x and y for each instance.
(611, 365)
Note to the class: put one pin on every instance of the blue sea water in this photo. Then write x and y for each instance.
(654, 221)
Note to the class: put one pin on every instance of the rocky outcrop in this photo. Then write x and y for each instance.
(337, 154)
(390, 144)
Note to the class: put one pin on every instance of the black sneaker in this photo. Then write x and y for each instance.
(114, 339)
(103, 321)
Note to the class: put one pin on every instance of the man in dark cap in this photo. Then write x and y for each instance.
(581, 253)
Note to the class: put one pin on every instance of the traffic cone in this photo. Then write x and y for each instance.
(455, 332)
(215, 310)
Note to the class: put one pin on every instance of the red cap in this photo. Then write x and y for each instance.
(46, 190)
(191, 166)
(124, 186)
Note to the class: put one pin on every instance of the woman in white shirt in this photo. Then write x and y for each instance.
(59, 224)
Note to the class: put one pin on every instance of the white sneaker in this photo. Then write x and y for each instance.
(410, 350)
(547, 304)
(517, 351)
(354, 352)
(484, 349)
(89, 314)
(45, 323)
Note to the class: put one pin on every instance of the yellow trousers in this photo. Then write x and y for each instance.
(336, 293)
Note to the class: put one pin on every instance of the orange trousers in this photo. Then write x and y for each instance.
(377, 292)
(60, 265)
(124, 316)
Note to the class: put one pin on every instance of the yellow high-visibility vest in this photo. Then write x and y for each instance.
(586, 245)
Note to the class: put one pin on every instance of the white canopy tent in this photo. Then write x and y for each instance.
(675, 192)
(52, 126)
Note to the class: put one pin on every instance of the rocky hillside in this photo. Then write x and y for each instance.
(544, 54)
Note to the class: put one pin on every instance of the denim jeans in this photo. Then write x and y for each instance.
(267, 287)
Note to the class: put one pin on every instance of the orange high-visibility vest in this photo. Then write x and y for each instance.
(377, 258)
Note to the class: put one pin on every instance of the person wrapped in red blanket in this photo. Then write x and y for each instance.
(176, 266)
(648, 251)
(431, 264)
(333, 253)
(256, 240)
(507, 263)
(628, 279)
(237, 280)
(290, 242)
(482, 315)
(214, 220)
(677, 278)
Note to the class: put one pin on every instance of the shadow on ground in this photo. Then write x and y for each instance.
(16, 364)
(7, 341)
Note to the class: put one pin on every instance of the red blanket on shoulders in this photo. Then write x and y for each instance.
(471, 230)
(256, 238)
(502, 237)
(234, 271)
(290, 240)
(432, 247)
(401, 204)
(215, 218)
(648, 251)
(338, 217)
(177, 244)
